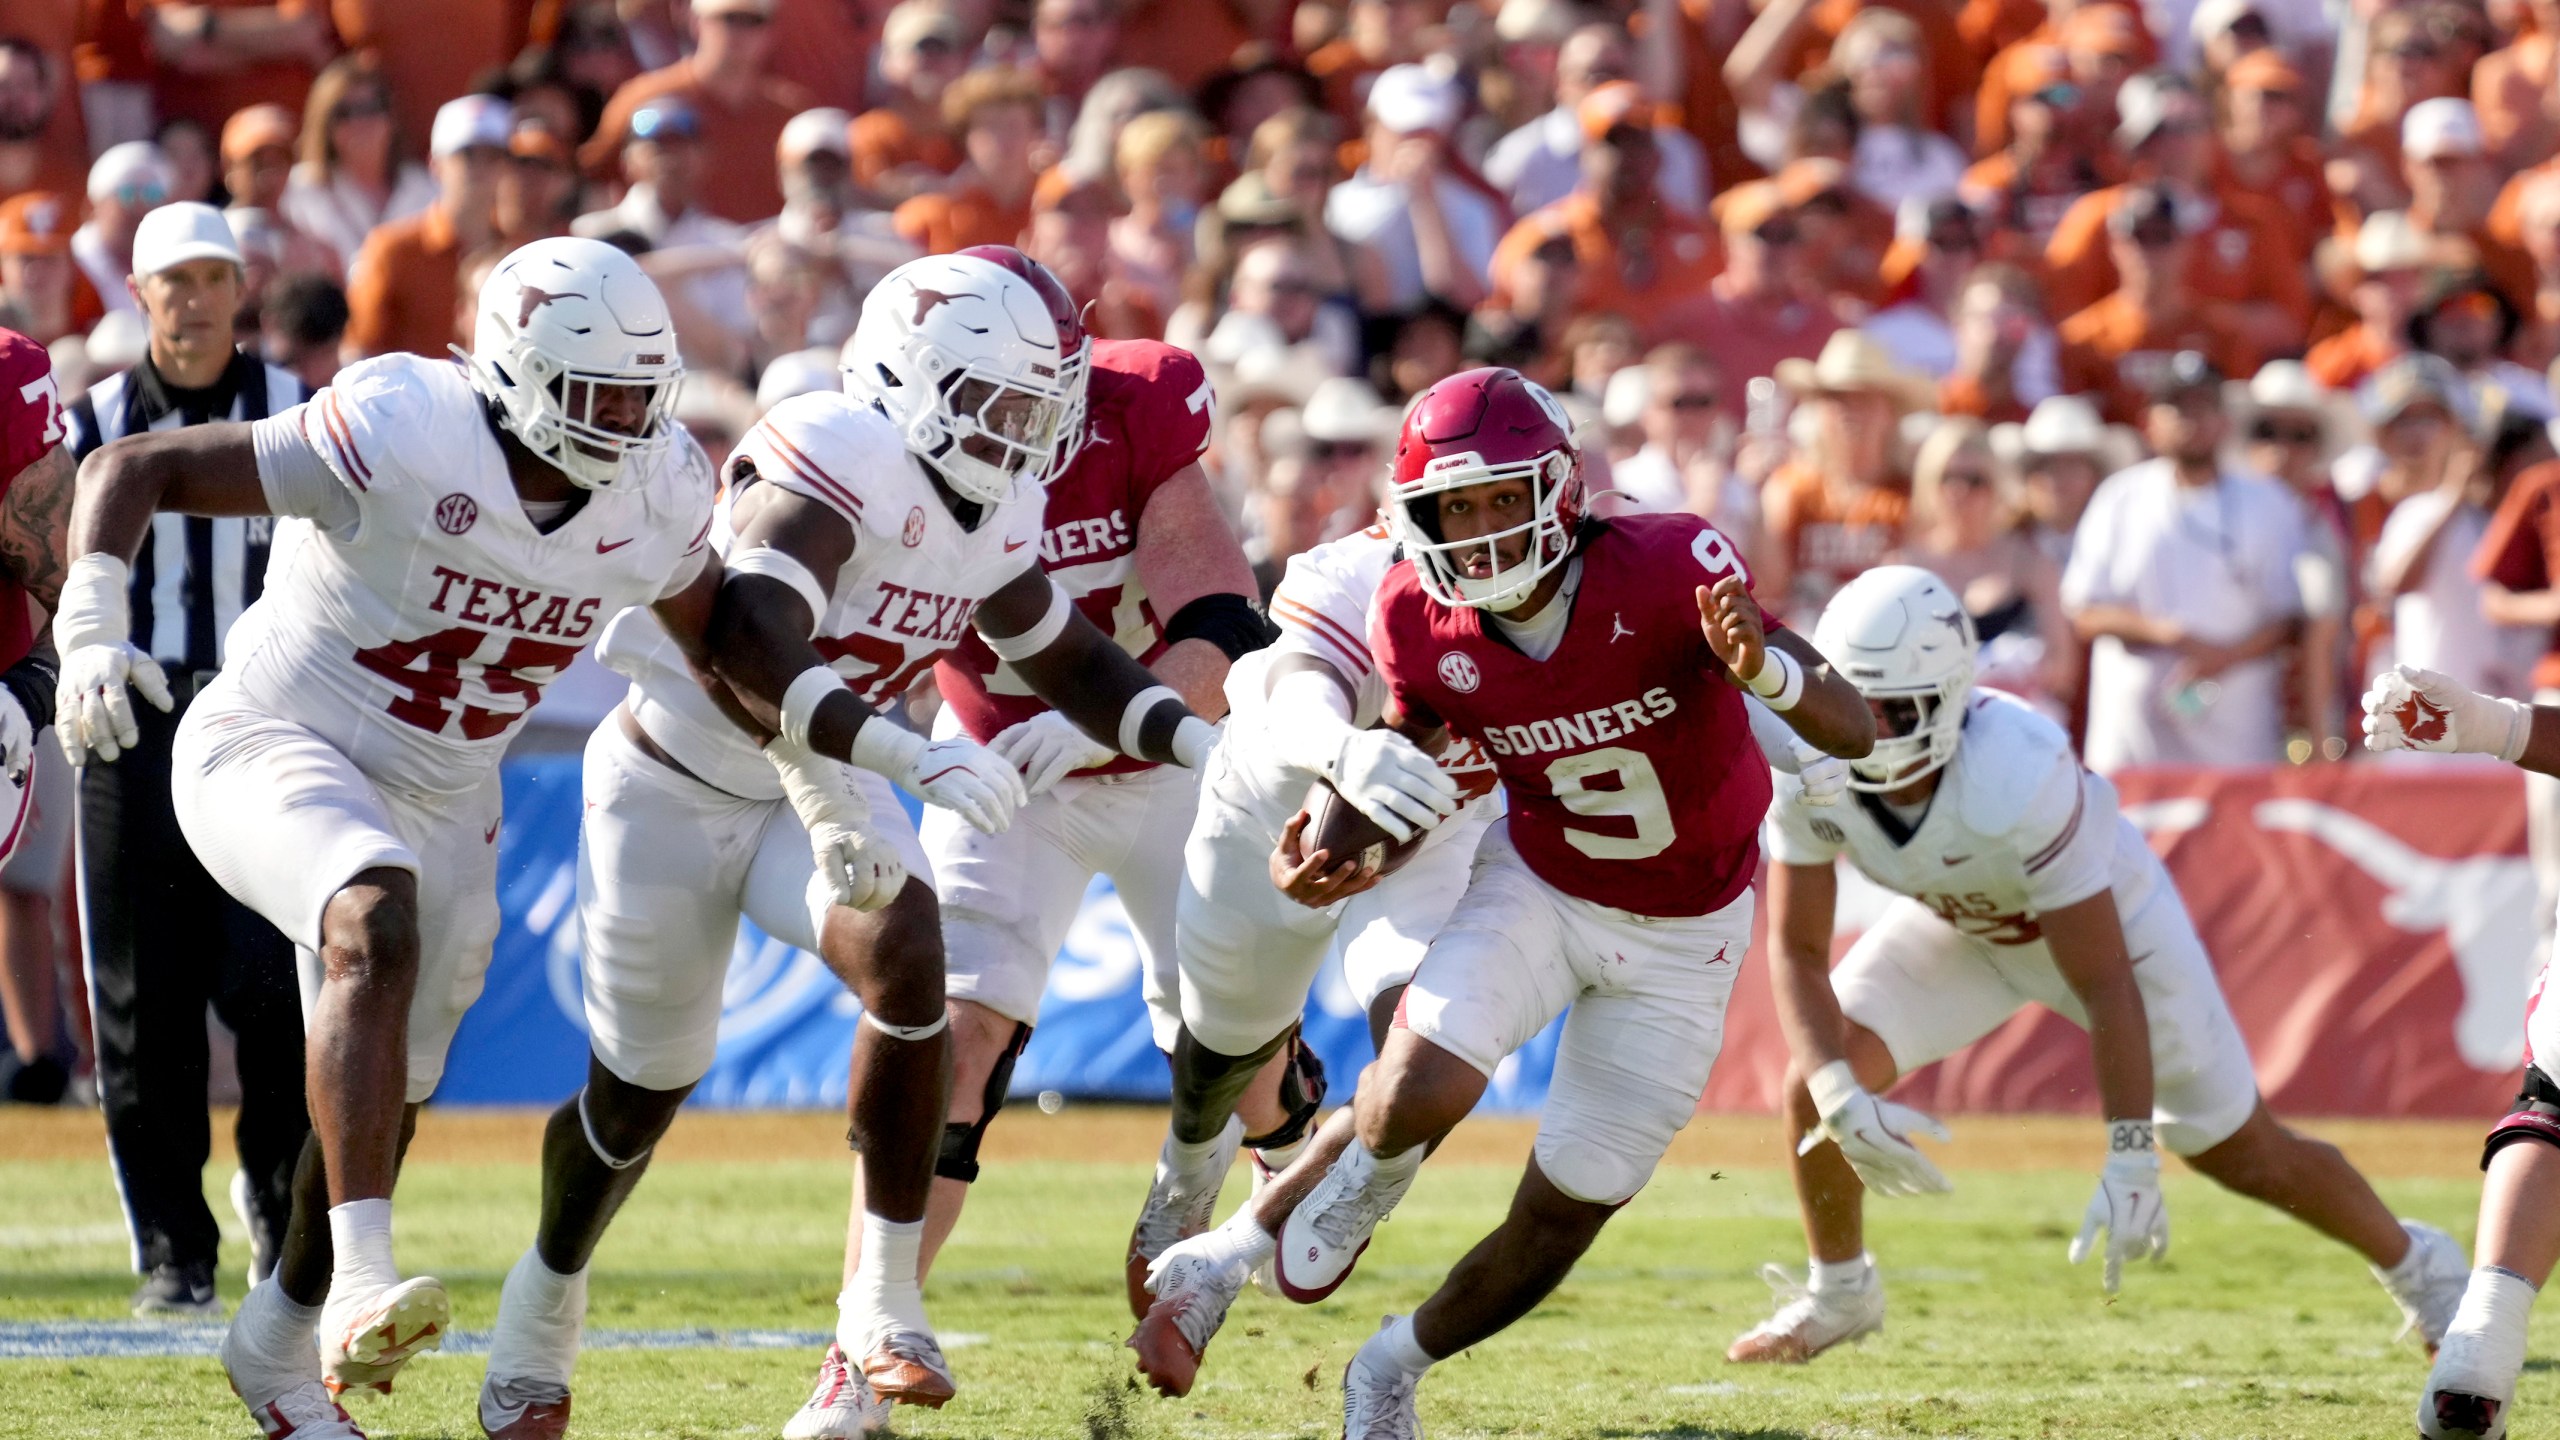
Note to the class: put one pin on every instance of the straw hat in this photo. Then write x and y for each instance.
(1850, 361)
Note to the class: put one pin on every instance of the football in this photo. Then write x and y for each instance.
(1336, 826)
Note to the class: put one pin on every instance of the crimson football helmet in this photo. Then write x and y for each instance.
(1476, 427)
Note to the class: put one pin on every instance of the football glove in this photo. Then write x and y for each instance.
(1392, 781)
(860, 867)
(2413, 709)
(92, 699)
(1873, 1134)
(1824, 778)
(958, 774)
(1047, 748)
(17, 738)
(2128, 1205)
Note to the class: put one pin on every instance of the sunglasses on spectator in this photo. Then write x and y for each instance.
(2285, 432)
(1777, 232)
(1294, 285)
(665, 125)
(1967, 480)
(141, 195)
(2059, 97)
(1694, 400)
(743, 19)
(2251, 27)
(936, 47)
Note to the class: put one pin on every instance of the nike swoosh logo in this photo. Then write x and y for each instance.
(1951, 861)
(604, 549)
(492, 835)
(1012, 545)
(495, 1416)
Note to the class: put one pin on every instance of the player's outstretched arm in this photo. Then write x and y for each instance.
(1384, 774)
(1788, 674)
(1873, 1133)
(2087, 942)
(1086, 676)
(2408, 708)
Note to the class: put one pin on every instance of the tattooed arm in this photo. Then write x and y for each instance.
(35, 526)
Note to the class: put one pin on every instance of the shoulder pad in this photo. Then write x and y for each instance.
(396, 415)
(829, 448)
(2008, 757)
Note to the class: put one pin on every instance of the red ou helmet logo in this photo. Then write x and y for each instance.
(456, 513)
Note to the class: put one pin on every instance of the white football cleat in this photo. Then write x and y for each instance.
(841, 1408)
(1809, 1322)
(1377, 1400)
(1192, 1293)
(2434, 1286)
(366, 1342)
(305, 1412)
(1179, 1206)
(1326, 1233)
(523, 1409)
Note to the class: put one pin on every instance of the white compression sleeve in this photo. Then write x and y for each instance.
(1308, 718)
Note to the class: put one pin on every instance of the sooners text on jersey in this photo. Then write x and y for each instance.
(1627, 756)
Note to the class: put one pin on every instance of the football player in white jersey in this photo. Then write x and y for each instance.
(864, 535)
(2021, 884)
(453, 537)
(2473, 1386)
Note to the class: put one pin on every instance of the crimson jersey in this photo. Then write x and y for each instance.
(1632, 777)
(31, 427)
(1148, 409)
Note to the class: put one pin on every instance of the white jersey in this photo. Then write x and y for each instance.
(1322, 609)
(903, 601)
(2016, 828)
(413, 622)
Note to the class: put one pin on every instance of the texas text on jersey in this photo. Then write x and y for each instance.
(1627, 746)
(1149, 409)
(902, 601)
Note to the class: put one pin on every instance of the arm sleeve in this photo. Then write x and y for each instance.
(1319, 615)
(2067, 839)
(297, 480)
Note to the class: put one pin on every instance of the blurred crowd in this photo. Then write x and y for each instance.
(2201, 345)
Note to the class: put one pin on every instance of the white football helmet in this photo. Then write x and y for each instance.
(564, 328)
(1897, 633)
(980, 360)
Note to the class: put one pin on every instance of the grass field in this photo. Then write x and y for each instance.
(2254, 1328)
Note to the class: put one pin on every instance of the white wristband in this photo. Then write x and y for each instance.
(800, 702)
(96, 608)
(1193, 738)
(2519, 730)
(1780, 681)
(1831, 1087)
(1134, 717)
(773, 564)
(882, 745)
(2130, 1140)
(1040, 636)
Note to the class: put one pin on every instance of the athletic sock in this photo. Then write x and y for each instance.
(1388, 1170)
(1395, 1350)
(885, 1290)
(272, 1350)
(540, 1316)
(1831, 1276)
(1188, 1161)
(360, 1241)
(2486, 1339)
(1242, 1240)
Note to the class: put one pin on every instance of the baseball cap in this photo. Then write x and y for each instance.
(666, 119)
(916, 21)
(2387, 241)
(532, 141)
(733, 7)
(2214, 18)
(2416, 379)
(811, 131)
(2286, 385)
(2436, 129)
(2150, 103)
(1619, 102)
(2182, 373)
(254, 128)
(468, 123)
(2266, 71)
(1409, 99)
(175, 234)
(2064, 425)
(1521, 22)
(133, 165)
(37, 222)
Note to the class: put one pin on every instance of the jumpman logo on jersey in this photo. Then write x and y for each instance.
(1618, 628)
(530, 298)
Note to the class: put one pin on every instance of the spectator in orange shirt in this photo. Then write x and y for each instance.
(2414, 53)
(2242, 264)
(2539, 343)
(901, 148)
(430, 52)
(2117, 347)
(2390, 259)
(1073, 43)
(537, 195)
(2465, 320)
(1071, 233)
(1840, 505)
(43, 296)
(2102, 41)
(2008, 361)
(1541, 162)
(352, 175)
(257, 163)
(1762, 309)
(1996, 364)
(1793, 39)
(1375, 34)
(39, 148)
(988, 202)
(2452, 187)
(217, 56)
(2514, 90)
(2268, 145)
(2027, 186)
(1636, 256)
(404, 290)
(729, 86)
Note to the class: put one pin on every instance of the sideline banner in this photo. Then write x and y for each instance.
(2373, 925)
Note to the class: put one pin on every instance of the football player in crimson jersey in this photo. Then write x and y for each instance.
(2020, 883)
(1601, 665)
(35, 513)
(2473, 1386)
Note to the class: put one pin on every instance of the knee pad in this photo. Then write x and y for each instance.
(1207, 1083)
(2536, 1116)
(1302, 1090)
(958, 1157)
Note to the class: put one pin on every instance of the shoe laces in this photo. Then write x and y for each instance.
(1389, 1406)
(1354, 1207)
(835, 1373)
(1199, 1302)
(914, 1345)
(1796, 1303)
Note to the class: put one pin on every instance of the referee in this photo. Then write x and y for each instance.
(160, 937)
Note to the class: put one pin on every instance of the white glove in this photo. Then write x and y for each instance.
(1392, 781)
(17, 738)
(92, 709)
(1825, 778)
(2128, 1205)
(859, 865)
(958, 774)
(2413, 709)
(1873, 1134)
(1046, 748)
